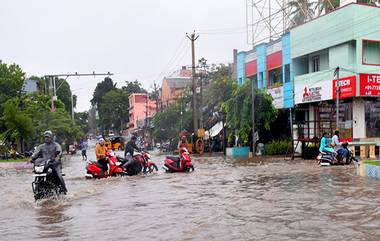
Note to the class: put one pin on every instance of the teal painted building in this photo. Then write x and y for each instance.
(301, 70)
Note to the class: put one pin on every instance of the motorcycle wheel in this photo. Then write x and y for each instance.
(190, 169)
(152, 168)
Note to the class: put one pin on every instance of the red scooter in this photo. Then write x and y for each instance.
(179, 164)
(94, 170)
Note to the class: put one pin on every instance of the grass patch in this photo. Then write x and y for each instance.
(14, 160)
(374, 163)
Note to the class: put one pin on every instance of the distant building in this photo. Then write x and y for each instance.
(141, 110)
(173, 86)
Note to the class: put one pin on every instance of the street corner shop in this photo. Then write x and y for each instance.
(359, 107)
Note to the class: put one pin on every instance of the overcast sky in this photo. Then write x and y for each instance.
(134, 39)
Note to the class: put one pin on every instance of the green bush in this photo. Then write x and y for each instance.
(278, 147)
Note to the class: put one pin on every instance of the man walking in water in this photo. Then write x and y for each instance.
(84, 147)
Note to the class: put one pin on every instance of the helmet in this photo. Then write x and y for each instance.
(101, 140)
(183, 138)
(48, 133)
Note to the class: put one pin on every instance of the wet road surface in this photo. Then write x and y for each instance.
(222, 200)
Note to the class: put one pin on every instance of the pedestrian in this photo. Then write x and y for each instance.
(84, 146)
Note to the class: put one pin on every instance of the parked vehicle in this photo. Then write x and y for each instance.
(94, 170)
(46, 184)
(179, 164)
(328, 159)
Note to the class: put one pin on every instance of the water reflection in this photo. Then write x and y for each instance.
(52, 219)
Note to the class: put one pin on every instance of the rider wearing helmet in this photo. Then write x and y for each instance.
(51, 150)
(135, 166)
(100, 152)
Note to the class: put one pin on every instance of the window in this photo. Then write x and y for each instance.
(275, 77)
(372, 118)
(240, 81)
(315, 62)
(371, 52)
(261, 80)
(287, 73)
(254, 80)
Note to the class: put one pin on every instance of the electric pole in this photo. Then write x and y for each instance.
(193, 38)
(336, 72)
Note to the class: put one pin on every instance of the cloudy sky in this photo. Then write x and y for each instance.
(134, 39)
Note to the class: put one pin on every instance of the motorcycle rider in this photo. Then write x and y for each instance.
(49, 150)
(181, 144)
(342, 152)
(100, 151)
(133, 164)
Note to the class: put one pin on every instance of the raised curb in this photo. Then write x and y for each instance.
(368, 170)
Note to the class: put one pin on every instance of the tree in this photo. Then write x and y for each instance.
(155, 94)
(64, 94)
(101, 89)
(113, 109)
(303, 11)
(239, 111)
(133, 87)
(167, 124)
(81, 119)
(19, 124)
(11, 81)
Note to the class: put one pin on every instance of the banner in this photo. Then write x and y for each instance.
(347, 87)
(370, 84)
(277, 94)
(307, 91)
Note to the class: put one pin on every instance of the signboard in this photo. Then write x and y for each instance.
(370, 84)
(347, 87)
(307, 91)
(277, 94)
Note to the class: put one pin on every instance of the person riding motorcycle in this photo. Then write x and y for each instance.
(338, 148)
(49, 150)
(131, 163)
(100, 152)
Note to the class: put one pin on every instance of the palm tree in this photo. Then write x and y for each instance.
(303, 11)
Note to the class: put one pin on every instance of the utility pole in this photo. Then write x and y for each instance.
(253, 119)
(203, 63)
(193, 38)
(336, 73)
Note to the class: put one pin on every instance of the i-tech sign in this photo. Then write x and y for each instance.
(370, 84)
(347, 87)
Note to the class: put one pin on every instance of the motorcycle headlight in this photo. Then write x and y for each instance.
(39, 169)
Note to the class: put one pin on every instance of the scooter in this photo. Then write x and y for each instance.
(94, 170)
(179, 164)
(46, 184)
(328, 159)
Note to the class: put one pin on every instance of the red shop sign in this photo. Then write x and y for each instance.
(347, 87)
(370, 84)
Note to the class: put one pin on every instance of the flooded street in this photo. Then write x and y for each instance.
(222, 200)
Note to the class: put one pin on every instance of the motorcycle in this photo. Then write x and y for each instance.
(94, 170)
(179, 164)
(143, 158)
(328, 159)
(46, 184)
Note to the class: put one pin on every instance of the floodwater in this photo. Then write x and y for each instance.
(222, 200)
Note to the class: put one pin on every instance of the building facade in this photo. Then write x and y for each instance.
(141, 110)
(303, 68)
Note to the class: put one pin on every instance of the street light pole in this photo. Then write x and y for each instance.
(337, 96)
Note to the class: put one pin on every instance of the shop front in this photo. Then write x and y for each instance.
(317, 99)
